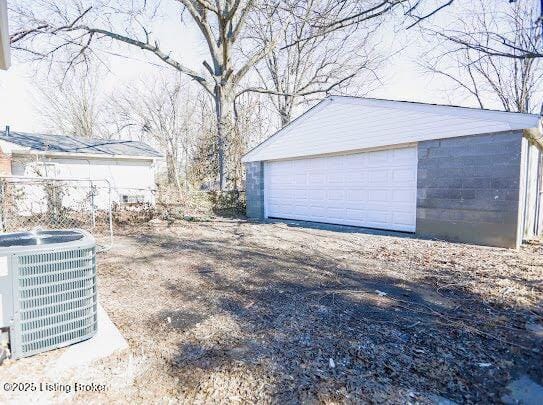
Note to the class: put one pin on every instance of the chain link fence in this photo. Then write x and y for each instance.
(28, 203)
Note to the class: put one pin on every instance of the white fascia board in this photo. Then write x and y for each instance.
(5, 57)
(516, 120)
(29, 152)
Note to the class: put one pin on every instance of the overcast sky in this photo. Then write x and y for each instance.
(403, 79)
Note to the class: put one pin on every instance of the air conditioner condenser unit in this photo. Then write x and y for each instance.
(48, 296)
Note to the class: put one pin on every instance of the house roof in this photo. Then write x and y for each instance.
(71, 144)
(4, 36)
(342, 124)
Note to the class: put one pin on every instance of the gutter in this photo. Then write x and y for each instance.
(82, 155)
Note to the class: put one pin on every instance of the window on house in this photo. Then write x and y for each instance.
(42, 169)
(133, 199)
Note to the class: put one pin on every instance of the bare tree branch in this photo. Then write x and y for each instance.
(498, 40)
(511, 80)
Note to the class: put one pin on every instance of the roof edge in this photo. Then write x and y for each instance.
(445, 106)
(513, 120)
(87, 148)
(287, 127)
(21, 152)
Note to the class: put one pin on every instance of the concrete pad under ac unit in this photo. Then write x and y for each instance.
(107, 341)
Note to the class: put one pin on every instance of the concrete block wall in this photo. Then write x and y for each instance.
(254, 189)
(469, 187)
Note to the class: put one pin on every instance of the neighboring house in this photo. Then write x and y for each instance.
(4, 36)
(127, 166)
(447, 172)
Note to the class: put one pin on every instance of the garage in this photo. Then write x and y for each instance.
(374, 189)
(453, 173)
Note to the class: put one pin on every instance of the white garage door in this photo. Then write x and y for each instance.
(372, 189)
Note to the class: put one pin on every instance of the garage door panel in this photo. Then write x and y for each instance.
(378, 196)
(318, 211)
(317, 195)
(356, 196)
(404, 155)
(402, 218)
(374, 189)
(379, 217)
(355, 214)
(335, 195)
(378, 158)
(376, 176)
(358, 161)
(354, 177)
(300, 194)
(300, 179)
(403, 175)
(403, 196)
(316, 179)
(335, 177)
(335, 212)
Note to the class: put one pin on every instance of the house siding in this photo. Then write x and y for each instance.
(125, 177)
(345, 125)
(254, 189)
(468, 188)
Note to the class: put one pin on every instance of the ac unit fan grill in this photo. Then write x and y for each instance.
(57, 299)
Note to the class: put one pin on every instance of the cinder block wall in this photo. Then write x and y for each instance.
(254, 189)
(468, 188)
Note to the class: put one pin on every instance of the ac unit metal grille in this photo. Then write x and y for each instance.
(57, 300)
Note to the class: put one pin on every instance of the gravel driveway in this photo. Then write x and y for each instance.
(233, 311)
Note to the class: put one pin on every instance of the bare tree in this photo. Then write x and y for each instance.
(347, 14)
(46, 28)
(254, 120)
(43, 28)
(514, 83)
(314, 67)
(516, 36)
(72, 104)
(157, 112)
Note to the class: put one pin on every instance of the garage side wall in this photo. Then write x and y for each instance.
(468, 188)
(254, 189)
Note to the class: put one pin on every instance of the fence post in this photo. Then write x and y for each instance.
(93, 210)
(3, 205)
(110, 214)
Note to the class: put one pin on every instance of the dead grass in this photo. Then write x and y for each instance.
(232, 311)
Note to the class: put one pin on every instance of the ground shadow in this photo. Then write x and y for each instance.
(326, 331)
(338, 228)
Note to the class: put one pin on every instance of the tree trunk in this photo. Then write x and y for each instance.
(223, 111)
(284, 115)
(285, 109)
(170, 168)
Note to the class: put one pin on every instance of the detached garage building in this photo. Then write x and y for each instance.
(454, 173)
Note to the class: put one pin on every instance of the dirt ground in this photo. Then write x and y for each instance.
(233, 311)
